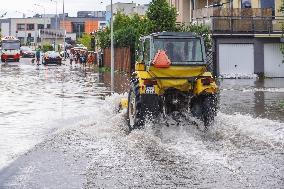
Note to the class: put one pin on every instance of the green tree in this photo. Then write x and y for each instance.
(161, 16)
(86, 40)
(47, 47)
(200, 30)
(103, 38)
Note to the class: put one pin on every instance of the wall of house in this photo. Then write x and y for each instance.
(258, 49)
(24, 33)
(184, 10)
(67, 25)
(5, 29)
(278, 4)
(91, 26)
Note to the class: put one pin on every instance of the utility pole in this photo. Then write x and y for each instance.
(112, 51)
(64, 31)
(56, 25)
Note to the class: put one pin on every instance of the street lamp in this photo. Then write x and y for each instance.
(41, 6)
(3, 15)
(56, 27)
(112, 49)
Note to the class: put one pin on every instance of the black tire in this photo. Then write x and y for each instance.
(205, 108)
(209, 109)
(135, 117)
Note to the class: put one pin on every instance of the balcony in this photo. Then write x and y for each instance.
(235, 21)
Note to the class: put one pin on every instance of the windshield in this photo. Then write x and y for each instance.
(181, 51)
(10, 45)
(52, 54)
(26, 49)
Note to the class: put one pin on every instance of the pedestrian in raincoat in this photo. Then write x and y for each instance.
(91, 59)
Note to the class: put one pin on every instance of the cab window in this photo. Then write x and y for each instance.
(146, 52)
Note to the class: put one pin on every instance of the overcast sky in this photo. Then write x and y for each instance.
(71, 6)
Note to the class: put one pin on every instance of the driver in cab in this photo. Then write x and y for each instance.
(173, 53)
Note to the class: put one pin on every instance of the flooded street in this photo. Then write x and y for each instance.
(60, 129)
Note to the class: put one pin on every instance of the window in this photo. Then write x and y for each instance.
(268, 4)
(177, 5)
(30, 26)
(40, 26)
(193, 5)
(48, 26)
(185, 51)
(246, 3)
(20, 27)
(146, 53)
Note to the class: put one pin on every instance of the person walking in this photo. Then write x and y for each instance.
(77, 57)
(37, 56)
(71, 57)
(91, 59)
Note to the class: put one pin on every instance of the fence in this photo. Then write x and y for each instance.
(122, 59)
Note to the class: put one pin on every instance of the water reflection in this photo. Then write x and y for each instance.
(37, 100)
(259, 98)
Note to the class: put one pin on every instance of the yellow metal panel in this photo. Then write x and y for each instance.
(177, 71)
(123, 104)
(139, 67)
(200, 88)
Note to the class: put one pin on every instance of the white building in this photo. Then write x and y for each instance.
(26, 29)
(128, 8)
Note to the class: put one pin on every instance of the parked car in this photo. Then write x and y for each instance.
(51, 57)
(27, 52)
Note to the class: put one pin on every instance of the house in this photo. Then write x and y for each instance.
(128, 8)
(246, 33)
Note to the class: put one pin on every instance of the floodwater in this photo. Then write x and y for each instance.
(60, 129)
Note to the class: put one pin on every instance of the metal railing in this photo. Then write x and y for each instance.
(230, 24)
(235, 12)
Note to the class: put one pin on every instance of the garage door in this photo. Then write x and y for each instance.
(236, 59)
(273, 66)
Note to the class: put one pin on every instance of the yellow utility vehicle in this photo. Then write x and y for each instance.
(171, 75)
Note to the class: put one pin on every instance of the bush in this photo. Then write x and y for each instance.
(47, 47)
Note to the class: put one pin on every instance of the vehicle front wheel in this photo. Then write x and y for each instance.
(135, 116)
(204, 107)
(209, 109)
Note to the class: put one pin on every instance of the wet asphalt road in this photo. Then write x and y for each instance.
(60, 130)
